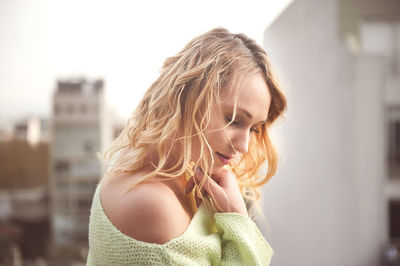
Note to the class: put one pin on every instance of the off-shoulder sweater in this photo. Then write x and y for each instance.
(221, 239)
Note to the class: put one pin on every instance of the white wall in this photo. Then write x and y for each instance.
(370, 158)
(317, 210)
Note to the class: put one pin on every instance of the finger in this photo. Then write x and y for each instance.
(198, 175)
(204, 181)
(209, 187)
(214, 191)
(189, 185)
(216, 178)
(198, 199)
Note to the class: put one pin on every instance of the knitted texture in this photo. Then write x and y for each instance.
(236, 241)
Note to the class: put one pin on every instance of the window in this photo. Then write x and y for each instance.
(57, 109)
(393, 143)
(88, 147)
(62, 205)
(380, 37)
(394, 220)
(61, 167)
(84, 204)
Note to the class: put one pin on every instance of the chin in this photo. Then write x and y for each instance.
(219, 169)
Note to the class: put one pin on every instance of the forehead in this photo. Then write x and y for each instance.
(251, 92)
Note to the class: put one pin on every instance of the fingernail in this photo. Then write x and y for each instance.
(198, 170)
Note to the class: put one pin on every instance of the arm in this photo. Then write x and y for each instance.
(242, 242)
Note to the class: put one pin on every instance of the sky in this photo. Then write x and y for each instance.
(123, 42)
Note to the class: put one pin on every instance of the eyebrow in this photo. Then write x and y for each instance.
(249, 115)
(245, 112)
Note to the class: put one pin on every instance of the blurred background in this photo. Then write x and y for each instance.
(71, 72)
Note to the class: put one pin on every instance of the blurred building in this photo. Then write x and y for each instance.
(24, 215)
(79, 131)
(31, 129)
(335, 199)
(6, 130)
(10, 253)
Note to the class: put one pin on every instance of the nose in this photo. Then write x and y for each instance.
(240, 141)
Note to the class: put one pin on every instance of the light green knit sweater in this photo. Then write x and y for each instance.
(237, 241)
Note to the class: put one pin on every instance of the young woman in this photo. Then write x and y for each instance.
(185, 169)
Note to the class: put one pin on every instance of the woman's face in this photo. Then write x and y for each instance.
(253, 101)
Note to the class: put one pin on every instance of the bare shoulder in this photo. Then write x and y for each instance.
(149, 213)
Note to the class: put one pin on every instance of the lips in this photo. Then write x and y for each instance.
(224, 159)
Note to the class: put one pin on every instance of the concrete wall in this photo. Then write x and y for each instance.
(325, 205)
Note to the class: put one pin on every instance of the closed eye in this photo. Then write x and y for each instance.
(236, 123)
(230, 121)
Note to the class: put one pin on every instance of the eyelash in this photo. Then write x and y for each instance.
(236, 123)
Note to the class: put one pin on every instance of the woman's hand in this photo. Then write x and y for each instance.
(223, 190)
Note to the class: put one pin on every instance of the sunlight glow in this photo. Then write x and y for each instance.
(124, 42)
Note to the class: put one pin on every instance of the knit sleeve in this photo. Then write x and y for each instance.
(242, 242)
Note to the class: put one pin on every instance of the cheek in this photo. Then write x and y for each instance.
(217, 139)
(195, 148)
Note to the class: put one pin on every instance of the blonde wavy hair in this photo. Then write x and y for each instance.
(178, 106)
